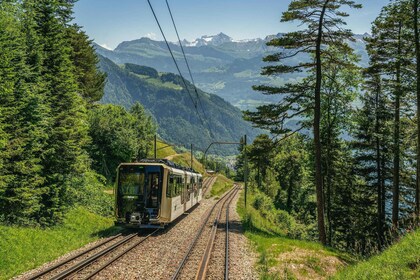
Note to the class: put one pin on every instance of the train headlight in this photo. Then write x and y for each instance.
(135, 217)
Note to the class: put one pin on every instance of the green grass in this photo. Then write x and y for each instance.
(221, 185)
(163, 150)
(400, 261)
(22, 249)
(281, 257)
(184, 159)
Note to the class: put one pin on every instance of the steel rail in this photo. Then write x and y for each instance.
(91, 259)
(108, 263)
(197, 236)
(202, 271)
(227, 241)
(210, 181)
(54, 267)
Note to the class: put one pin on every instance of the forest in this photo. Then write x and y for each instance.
(348, 173)
(58, 146)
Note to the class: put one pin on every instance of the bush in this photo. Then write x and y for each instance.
(275, 220)
(263, 203)
(92, 195)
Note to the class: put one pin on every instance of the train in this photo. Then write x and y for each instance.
(152, 193)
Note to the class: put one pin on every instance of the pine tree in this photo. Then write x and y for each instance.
(240, 161)
(393, 52)
(417, 55)
(26, 121)
(259, 154)
(144, 129)
(91, 82)
(65, 160)
(323, 20)
(339, 87)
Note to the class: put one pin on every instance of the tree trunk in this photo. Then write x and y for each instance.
(317, 140)
(396, 173)
(417, 43)
(328, 172)
(289, 195)
(380, 188)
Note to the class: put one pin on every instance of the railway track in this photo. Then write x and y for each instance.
(101, 255)
(209, 181)
(198, 257)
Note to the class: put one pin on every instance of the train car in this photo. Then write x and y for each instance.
(154, 192)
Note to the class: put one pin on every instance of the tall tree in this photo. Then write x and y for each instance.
(25, 117)
(323, 20)
(260, 153)
(339, 87)
(118, 136)
(417, 55)
(392, 44)
(91, 82)
(65, 159)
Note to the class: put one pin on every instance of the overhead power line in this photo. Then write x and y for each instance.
(186, 60)
(177, 67)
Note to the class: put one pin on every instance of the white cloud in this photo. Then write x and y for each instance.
(105, 46)
(151, 35)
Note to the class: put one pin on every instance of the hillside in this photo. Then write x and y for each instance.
(400, 261)
(220, 64)
(169, 103)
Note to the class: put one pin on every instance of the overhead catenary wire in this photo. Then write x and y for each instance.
(176, 64)
(188, 65)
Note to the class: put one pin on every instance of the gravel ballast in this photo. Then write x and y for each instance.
(159, 256)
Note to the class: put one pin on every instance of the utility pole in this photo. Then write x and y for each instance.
(155, 147)
(191, 155)
(245, 169)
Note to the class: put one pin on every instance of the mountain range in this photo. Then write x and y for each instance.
(220, 64)
(164, 96)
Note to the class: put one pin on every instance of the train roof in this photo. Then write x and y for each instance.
(166, 162)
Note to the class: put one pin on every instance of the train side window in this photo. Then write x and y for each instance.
(170, 186)
(178, 185)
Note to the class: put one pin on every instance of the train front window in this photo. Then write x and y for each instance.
(131, 181)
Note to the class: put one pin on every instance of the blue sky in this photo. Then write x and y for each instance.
(109, 22)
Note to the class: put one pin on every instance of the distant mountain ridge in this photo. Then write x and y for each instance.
(220, 64)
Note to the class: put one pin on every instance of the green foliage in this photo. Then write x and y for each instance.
(92, 195)
(23, 248)
(141, 70)
(400, 261)
(260, 153)
(91, 82)
(118, 136)
(47, 79)
(23, 122)
(277, 221)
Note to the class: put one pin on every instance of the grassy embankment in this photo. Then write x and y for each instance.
(22, 249)
(282, 257)
(221, 185)
(400, 261)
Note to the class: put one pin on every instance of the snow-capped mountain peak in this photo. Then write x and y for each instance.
(214, 40)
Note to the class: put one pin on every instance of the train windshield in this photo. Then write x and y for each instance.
(131, 180)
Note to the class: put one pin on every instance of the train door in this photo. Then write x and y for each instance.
(153, 190)
(192, 189)
(184, 194)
